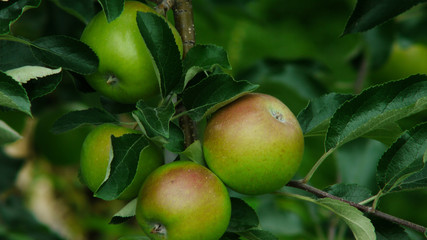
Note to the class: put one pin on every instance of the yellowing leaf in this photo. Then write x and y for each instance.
(26, 73)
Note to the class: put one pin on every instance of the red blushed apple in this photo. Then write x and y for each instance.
(254, 144)
(183, 200)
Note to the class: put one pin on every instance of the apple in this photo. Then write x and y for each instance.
(126, 72)
(254, 144)
(95, 156)
(403, 62)
(183, 200)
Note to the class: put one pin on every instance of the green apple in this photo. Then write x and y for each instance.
(126, 72)
(254, 144)
(183, 200)
(402, 62)
(95, 157)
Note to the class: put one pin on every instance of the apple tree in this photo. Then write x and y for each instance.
(166, 74)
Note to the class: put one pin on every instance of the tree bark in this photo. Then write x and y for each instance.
(183, 16)
(184, 23)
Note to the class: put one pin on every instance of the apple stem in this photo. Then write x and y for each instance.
(163, 6)
(112, 79)
(158, 229)
(278, 116)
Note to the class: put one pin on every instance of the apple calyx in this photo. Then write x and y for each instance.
(112, 79)
(277, 115)
(158, 228)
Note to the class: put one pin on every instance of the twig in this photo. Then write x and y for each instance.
(183, 15)
(366, 209)
(186, 124)
(184, 23)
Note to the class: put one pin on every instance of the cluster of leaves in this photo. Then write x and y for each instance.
(373, 114)
(33, 69)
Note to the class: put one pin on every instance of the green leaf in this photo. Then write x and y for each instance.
(7, 134)
(13, 95)
(257, 234)
(9, 168)
(66, 52)
(155, 120)
(402, 159)
(387, 133)
(416, 181)
(314, 119)
(112, 8)
(40, 87)
(175, 142)
(376, 107)
(301, 76)
(368, 14)
(204, 58)
(161, 43)
(78, 118)
(26, 73)
(82, 9)
(10, 11)
(243, 217)
(386, 230)
(212, 93)
(360, 225)
(194, 153)
(127, 212)
(16, 54)
(350, 192)
(122, 166)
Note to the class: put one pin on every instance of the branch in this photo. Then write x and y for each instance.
(369, 210)
(187, 125)
(183, 15)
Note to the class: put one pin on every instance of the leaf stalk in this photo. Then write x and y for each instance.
(317, 165)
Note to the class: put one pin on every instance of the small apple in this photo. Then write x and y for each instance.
(403, 62)
(183, 200)
(95, 157)
(126, 72)
(254, 144)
